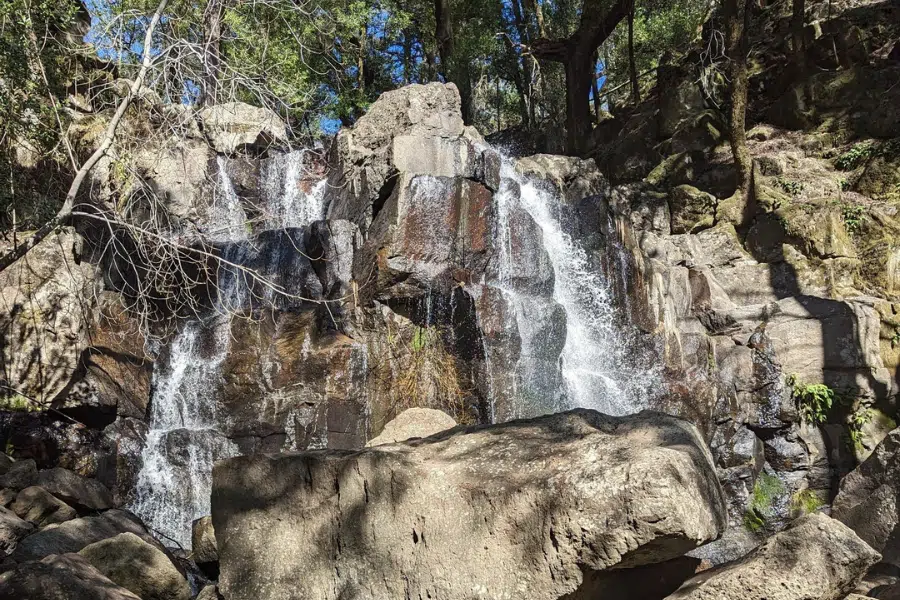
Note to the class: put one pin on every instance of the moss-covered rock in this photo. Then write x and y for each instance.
(817, 229)
(691, 209)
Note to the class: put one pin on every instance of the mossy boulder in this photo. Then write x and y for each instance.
(881, 178)
(692, 210)
(817, 229)
(877, 239)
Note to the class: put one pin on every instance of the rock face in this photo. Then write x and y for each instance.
(868, 500)
(816, 557)
(203, 541)
(12, 529)
(414, 423)
(63, 577)
(138, 566)
(481, 512)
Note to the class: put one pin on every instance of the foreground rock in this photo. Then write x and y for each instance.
(74, 535)
(817, 557)
(12, 529)
(66, 577)
(414, 423)
(867, 501)
(138, 566)
(79, 491)
(37, 505)
(521, 508)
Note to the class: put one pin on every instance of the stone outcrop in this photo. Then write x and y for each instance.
(70, 487)
(235, 126)
(413, 423)
(203, 542)
(137, 566)
(868, 500)
(526, 506)
(816, 557)
(60, 577)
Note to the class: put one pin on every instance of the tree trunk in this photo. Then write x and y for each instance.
(527, 68)
(737, 14)
(443, 34)
(212, 51)
(575, 53)
(595, 91)
(798, 22)
(632, 64)
(514, 67)
(65, 213)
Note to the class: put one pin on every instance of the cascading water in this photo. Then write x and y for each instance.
(599, 364)
(185, 438)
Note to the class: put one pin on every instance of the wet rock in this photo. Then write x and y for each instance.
(235, 126)
(872, 490)
(79, 491)
(21, 474)
(60, 577)
(521, 508)
(137, 566)
(413, 423)
(38, 506)
(12, 529)
(816, 557)
(74, 535)
(203, 541)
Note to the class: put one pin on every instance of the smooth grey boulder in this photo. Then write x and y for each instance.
(867, 500)
(522, 509)
(234, 126)
(74, 535)
(65, 577)
(12, 529)
(816, 557)
(138, 566)
(203, 541)
(413, 423)
(74, 489)
(38, 506)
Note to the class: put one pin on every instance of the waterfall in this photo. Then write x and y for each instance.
(185, 436)
(600, 364)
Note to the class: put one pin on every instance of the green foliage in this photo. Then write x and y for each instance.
(814, 401)
(855, 423)
(420, 339)
(853, 216)
(766, 491)
(854, 157)
(789, 186)
(805, 502)
(18, 403)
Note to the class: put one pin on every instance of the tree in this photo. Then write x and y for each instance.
(576, 53)
(737, 15)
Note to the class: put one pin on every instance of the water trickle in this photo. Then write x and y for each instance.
(185, 436)
(599, 363)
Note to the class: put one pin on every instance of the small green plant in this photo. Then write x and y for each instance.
(814, 400)
(854, 157)
(788, 186)
(805, 502)
(18, 403)
(766, 490)
(853, 216)
(855, 423)
(845, 184)
(419, 339)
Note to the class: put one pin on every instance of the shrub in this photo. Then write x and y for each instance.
(814, 400)
(805, 502)
(854, 157)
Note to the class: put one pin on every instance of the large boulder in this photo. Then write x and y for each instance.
(38, 506)
(235, 126)
(867, 500)
(74, 535)
(414, 423)
(65, 577)
(12, 529)
(138, 566)
(523, 508)
(21, 474)
(88, 494)
(816, 557)
(203, 541)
